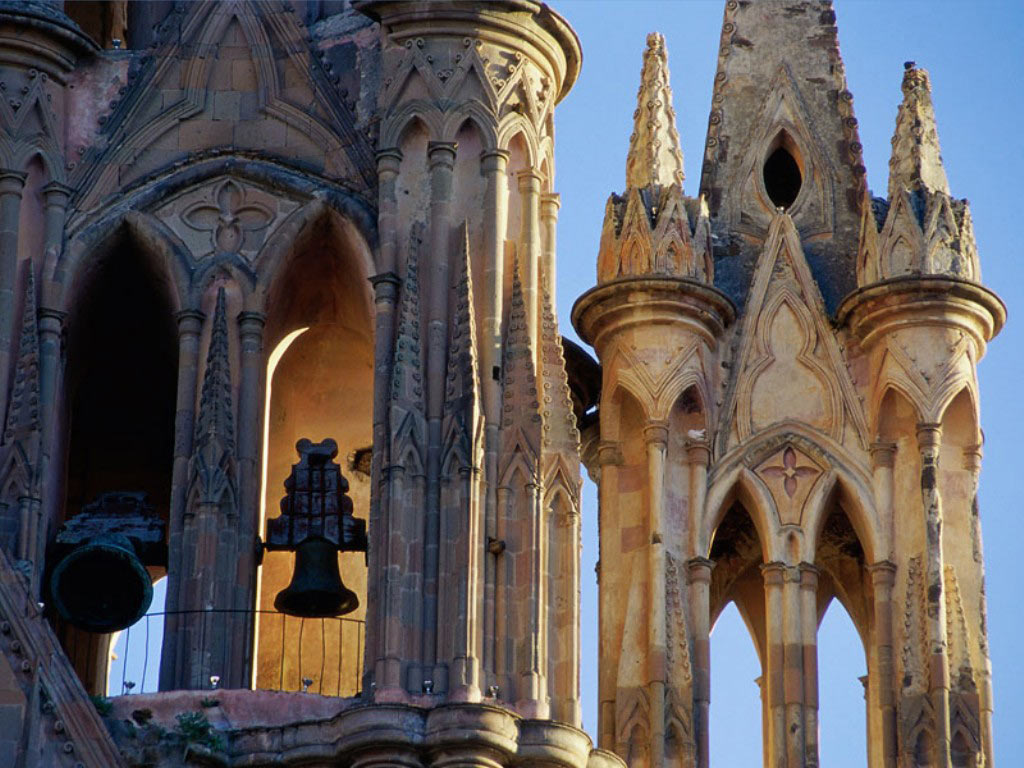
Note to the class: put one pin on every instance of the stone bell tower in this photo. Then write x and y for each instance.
(789, 411)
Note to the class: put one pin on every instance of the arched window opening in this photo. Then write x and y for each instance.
(119, 24)
(735, 693)
(782, 172)
(135, 652)
(923, 750)
(737, 603)
(120, 392)
(320, 385)
(961, 754)
(842, 690)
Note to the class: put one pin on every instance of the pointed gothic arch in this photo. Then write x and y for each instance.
(321, 387)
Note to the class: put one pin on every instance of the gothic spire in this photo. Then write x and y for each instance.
(519, 396)
(655, 156)
(462, 363)
(560, 432)
(916, 164)
(23, 414)
(216, 421)
(406, 371)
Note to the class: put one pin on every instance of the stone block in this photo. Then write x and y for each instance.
(200, 134)
(226, 105)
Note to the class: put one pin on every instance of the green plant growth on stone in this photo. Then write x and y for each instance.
(194, 728)
(103, 705)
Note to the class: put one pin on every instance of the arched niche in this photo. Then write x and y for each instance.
(959, 462)
(896, 426)
(116, 424)
(319, 345)
(687, 423)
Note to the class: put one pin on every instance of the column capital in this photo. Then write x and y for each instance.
(700, 569)
(528, 177)
(190, 321)
(441, 153)
(389, 159)
(51, 320)
(385, 286)
(929, 435)
(883, 573)
(698, 452)
(808, 576)
(550, 202)
(12, 182)
(609, 452)
(251, 323)
(972, 458)
(57, 194)
(883, 453)
(656, 431)
(494, 159)
(773, 573)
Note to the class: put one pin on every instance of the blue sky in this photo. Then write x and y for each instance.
(974, 60)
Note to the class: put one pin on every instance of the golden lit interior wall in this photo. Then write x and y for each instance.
(322, 386)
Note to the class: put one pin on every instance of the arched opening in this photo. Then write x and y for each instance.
(135, 652)
(842, 687)
(782, 172)
(320, 385)
(130, 24)
(119, 388)
(735, 693)
(737, 584)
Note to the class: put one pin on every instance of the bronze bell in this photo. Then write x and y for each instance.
(316, 590)
(316, 523)
(101, 586)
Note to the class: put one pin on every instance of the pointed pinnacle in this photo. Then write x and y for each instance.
(462, 364)
(216, 420)
(23, 415)
(655, 156)
(406, 373)
(916, 162)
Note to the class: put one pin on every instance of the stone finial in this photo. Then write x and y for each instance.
(215, 421)
(655, 156)
(23, 414)
(519, 387)
(560, 432)
(916, 164)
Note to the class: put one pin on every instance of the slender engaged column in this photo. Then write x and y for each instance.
(809, 636)
(883, 579)
(190, 324)
(12, 185)
(530, 250)
(609, 456)
(251, 403)
(700, 607)
(550, 202)
(774, 668)
(441, 160)
(793, 666)
(929, 440)
(656, 438)
(51, 326)
(493, 165)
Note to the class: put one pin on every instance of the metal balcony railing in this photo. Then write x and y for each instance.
(323, 656)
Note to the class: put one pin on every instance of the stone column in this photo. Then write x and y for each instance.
(550, 202)
(441, 160)
(700, 607)
(929, 441)
(55, 206)
(251, 403)
(493, 165)
(51, 326)
(808, 576)
(529, 250)
(190, 325)
(12, 184)
(609, 456)
(656, 438)
(775, 663)
(883, 579)
(793, 665)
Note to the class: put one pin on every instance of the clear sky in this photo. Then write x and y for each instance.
(972, 51)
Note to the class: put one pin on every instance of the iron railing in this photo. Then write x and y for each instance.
(322, 656)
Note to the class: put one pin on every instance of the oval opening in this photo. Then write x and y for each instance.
(782, 177)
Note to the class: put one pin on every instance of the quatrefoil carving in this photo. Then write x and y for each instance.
(228, 218)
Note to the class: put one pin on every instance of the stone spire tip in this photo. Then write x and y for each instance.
(655, 155)
(916, 161)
